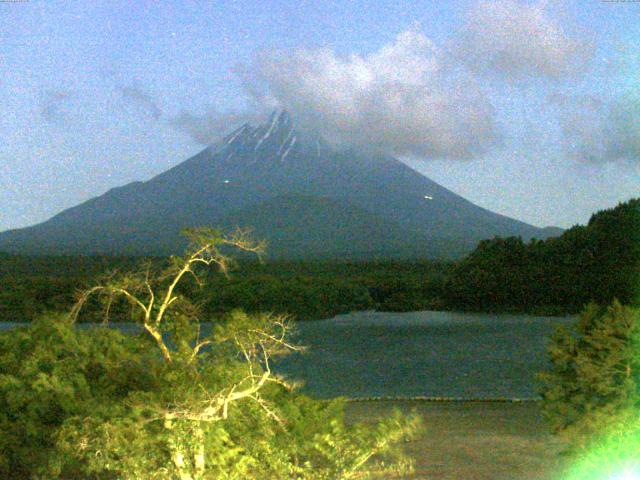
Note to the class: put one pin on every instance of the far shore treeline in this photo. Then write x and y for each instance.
(593, 263)
(598, 262)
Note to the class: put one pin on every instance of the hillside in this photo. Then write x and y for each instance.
(597, 262)
(305, 197)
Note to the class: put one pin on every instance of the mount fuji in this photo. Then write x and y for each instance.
(308, 199)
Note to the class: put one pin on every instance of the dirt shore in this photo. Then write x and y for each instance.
(475, 440)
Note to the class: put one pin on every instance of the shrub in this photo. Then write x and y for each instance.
(174, 402)
(594, 375)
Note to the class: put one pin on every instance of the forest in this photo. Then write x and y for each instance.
(597, 262)
(307, 291)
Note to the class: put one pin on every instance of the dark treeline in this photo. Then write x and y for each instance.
(30, 286)
(306, 290)
(321, 290)
(593, 263)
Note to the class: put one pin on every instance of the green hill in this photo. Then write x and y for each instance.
(596, 262)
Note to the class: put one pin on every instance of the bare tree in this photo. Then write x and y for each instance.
(154, 296)
(182, 426)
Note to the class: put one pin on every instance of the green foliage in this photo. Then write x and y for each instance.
(320, 290)
(92, 403)
(594, 377)
(173, 402)
(593, 263)
(613, 453)
(50, 372)
(305, 296)
(30, 286)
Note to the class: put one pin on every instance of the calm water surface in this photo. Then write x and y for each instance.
(433, 354)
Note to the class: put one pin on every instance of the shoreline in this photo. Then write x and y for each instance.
(425, 399)
(479, 440)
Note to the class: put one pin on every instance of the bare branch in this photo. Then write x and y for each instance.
(135, 300)
(157, 336)
(197, 348)
(152, 296)
(265, 407)
(279, 341)
(84, 296)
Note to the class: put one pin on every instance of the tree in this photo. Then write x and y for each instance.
(51, 372)
(593, 263)
(199, 404)
(594, 377)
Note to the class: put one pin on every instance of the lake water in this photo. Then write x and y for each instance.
(420, 354)
(430, 354)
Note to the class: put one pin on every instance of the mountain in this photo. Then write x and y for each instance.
(308, 199)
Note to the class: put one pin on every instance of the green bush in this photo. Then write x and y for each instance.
(93, 403)
(51, 372)
(594, 377)
(171, 402)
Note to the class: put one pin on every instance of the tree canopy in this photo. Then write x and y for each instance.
(593, 263)
(178, 400)
(591, 391)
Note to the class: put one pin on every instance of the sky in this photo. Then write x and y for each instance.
(530, 109)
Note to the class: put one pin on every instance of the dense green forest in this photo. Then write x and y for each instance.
(598, 262)
(593, 263)
(312, 290)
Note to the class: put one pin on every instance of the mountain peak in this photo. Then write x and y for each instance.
(280, 117)
(299, 192)
(229, 138)
(279, 125)
(272, 140)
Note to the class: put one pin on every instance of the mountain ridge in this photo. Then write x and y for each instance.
(254, 165)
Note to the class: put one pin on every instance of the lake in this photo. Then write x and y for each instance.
(420, 354)
(430, 354)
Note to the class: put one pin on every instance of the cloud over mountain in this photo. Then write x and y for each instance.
(401, 99)
(411, 97)
(205, 128)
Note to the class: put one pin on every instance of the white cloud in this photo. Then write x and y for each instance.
(399, 99)
(599, 131)
(519, 40)
(411, 97)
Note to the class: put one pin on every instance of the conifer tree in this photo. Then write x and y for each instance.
(594, 377)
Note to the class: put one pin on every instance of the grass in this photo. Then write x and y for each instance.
(475, 440)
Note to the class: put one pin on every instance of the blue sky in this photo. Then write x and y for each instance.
(533, 107)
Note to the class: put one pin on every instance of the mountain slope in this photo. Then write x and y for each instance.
(298, 227)
(287, 175)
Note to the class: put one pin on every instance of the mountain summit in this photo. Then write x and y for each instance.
(305, 197)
